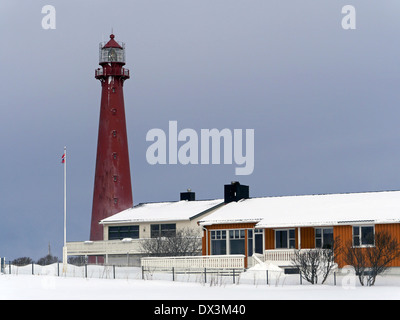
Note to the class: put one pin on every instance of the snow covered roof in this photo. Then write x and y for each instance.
(164, 211)
(311, 210)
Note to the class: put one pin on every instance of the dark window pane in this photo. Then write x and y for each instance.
(258, 243)
(281, 239)
(218, 247)
(328, 238)
(168, 230)
(250, 247)
(237, 246)
(367, 234)
(121, 232)
(155, 230)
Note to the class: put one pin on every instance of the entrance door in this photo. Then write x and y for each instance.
(255, 241)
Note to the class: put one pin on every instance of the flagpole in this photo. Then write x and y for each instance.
(65, 211)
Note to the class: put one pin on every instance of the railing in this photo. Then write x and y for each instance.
(281, 257)
(87, 248)
(196, 262)
(105, 72)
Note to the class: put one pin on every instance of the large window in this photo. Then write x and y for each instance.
(163, 230)
(218, 242)
(233, 241)
(363, 236)
(285, 239)
(237, 241)
(324, 238)
(121, 232)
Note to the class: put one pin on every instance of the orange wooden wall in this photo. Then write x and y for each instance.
(345, 233)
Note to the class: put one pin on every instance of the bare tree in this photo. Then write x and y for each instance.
(373, 260)
(22, 261)
(308, 263)
(318, 262)
(46, 260)
(185, 242)
(328, 256)
(77, 260)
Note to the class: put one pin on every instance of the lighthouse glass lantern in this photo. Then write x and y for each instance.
(112, 51)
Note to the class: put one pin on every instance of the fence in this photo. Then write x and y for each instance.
(209, 276)
(223, 262)
(85, 271)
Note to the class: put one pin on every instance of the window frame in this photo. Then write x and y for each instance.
(118, 230)
(156, 230)
(360, 236)
(321, 237)
(289, 239)
(220, 236)
(237, 236)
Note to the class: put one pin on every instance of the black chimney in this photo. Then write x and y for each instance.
(189, 195)
(235, 192)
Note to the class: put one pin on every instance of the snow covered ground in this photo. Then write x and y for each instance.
(53, 288)
(45, 284)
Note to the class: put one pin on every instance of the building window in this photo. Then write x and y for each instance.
(324, 238)
(237, 241)
(218, 242)
(258, 240)
(121, 232)
(363, 236)
(163, 230)
(285, 239)
(250, 242)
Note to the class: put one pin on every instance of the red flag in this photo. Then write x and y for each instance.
(63, 158)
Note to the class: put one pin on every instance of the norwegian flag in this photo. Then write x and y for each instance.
(63, 158)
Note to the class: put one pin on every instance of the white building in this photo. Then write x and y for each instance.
(125, 231)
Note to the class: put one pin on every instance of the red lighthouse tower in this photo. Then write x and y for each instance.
(112, 186)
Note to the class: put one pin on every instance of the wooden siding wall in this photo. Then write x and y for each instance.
(269, 235)
(346, 237)
(345, 233)
(394, 231)
(307, 238)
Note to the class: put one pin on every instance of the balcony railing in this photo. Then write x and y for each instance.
(105, 72)
(281, 257)
(88, 248)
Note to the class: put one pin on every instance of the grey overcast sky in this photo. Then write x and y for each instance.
(323, 101)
